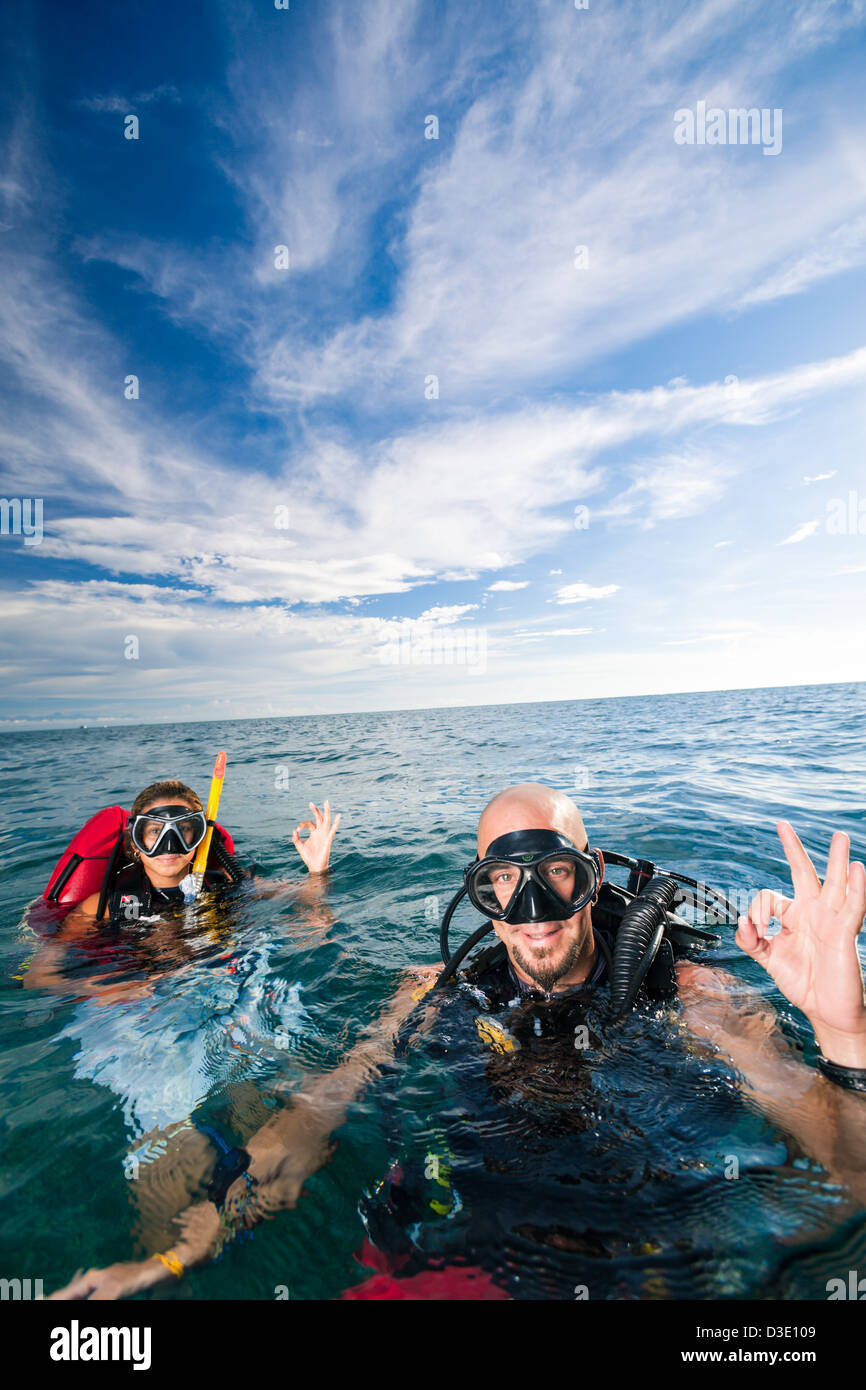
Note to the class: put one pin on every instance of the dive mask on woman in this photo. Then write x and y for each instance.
(168, 830)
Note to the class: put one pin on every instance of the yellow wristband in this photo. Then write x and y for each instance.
(172, 1263)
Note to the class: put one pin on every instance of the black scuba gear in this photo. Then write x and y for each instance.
(133, 896)
(491, 970)
(651, 932)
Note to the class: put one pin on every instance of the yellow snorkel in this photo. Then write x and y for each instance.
(213, 801)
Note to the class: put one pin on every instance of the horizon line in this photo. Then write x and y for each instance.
(25, 726)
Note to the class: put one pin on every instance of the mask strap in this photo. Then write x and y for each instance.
(600, 858)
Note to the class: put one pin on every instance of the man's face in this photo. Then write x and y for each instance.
(541, 953)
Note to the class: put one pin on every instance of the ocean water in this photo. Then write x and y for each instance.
(612, 1177)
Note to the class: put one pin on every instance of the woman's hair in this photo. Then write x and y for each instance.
(161, 793)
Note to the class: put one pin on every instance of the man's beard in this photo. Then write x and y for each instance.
(546, 975)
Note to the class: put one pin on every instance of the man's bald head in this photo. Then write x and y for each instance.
(530, 806)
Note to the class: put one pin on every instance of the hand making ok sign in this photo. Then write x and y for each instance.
(813, 959)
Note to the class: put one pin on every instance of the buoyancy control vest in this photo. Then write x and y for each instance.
(98, 853)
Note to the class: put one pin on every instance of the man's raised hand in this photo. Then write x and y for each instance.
(813, 958)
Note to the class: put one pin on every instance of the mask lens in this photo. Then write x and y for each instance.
(563, 875)
(190, 830)
(566, 877)
(148, 832)
(495, 886)
(169, 833)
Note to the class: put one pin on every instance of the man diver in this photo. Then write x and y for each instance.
(543, 888)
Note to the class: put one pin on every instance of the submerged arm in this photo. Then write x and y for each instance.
(827, 1122)
(49, 968)
(287, 1150)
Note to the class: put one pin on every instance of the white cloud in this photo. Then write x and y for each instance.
(449, 499)
(552, 632)
(835, 251)
(802, 533)
(120, 105)
(274, 661)
(506, 585)
(444, 614)
(664, 231)
(583, 592)
(664, 225)
(670, 488)
(479, 286)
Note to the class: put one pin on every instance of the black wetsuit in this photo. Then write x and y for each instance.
(133, 896)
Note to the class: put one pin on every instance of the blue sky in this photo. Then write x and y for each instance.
(289, 519)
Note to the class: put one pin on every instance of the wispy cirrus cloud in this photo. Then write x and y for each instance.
(841, 249)
(464, 486)
(121, 105)
(662, 224)
(802, 533)
(581, 592)
(669, 488)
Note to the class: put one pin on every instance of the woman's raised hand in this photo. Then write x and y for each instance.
(315, 850)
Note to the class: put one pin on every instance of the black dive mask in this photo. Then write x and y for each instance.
(168, 830)
(533, 876)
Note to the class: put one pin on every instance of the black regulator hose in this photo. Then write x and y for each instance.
(638, 939)
(446, 922)
(108, 877)
(461, 953)
(226, 861)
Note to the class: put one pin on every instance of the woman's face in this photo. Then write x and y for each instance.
(166, 870)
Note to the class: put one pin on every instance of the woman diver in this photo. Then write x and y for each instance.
(150, 866)
(166, 825)
(174, 1006)
(144, 864)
